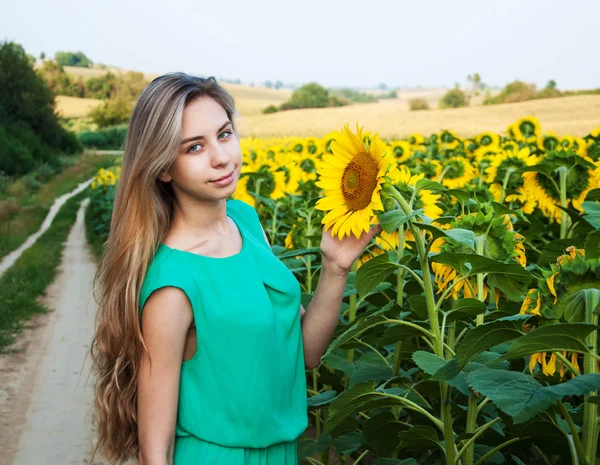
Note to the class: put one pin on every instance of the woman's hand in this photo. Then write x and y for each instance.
(340, 254)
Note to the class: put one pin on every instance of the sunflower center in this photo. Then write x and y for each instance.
(486, 140)
(359, 181)
(527, 129)
(456, 169)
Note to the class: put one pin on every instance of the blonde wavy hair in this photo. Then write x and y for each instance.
(142, 211)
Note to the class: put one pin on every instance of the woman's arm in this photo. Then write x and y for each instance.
(166, 319)
(321, 316)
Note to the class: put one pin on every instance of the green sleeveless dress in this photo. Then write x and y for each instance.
(242, 396)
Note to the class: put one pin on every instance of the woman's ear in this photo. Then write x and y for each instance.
(164, 176)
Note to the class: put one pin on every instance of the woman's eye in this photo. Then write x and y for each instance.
(190, 149)
(228, 132)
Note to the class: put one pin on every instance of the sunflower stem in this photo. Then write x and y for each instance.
(399, 301)
(352, 313)
(590, 409)
(433, 313)
(472, 402)
(564, 218)
(509, 171)
(575, 435)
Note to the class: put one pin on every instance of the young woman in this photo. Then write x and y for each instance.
(201, 343)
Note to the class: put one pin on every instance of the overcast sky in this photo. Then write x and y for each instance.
(333, 42)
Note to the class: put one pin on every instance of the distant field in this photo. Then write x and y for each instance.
(249, 100)
(576, 115)
(73, 107)
(568, 115)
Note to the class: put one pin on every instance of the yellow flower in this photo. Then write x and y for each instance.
(351, 178)
(550, 282)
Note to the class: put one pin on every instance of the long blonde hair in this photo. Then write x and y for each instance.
(142, 212)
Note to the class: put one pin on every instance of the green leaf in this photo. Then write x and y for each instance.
(592, 245)
(366, 371)
(466, 308)
(514, 289)
(461, 195)
(592, 210)
(434, 365)
(521, 396)
(428, 362)
(321, 399)
(338, 362)
(420, 437)
(349, 442)
(381, 432)
(575, 305)
(392, 220)
(430, 185)
(372, 273)
(356, 329)
(462, 236)
(293, 253)
(501, 209)
(418, 305)
(552, 338)
(382, 461)
(593, 196)
(488, 335)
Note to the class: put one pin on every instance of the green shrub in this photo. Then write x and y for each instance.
(270, 109)
(111, 112)
(351, 95)
(454, 98)
(111, 138)
(418, 104)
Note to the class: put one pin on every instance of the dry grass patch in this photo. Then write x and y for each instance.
(568, 115)
(75, 107)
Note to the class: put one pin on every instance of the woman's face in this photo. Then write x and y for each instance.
(209, 150)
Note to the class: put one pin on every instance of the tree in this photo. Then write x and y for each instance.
(32, 132)
(551, 84)
(268, 84)
(42, 56)
(73, 59)
(311, 95)
(475, 80)
(454, 98)
(278, 84)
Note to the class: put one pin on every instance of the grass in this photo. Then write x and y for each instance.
(32, 273)
(25, 208)
(568, 115)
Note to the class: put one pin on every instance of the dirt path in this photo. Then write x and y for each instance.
(45, 387)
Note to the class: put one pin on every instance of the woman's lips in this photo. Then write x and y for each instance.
(225, 180)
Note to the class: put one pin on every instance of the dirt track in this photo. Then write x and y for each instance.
(45, 387)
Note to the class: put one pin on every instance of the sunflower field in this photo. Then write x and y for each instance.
(468, 332)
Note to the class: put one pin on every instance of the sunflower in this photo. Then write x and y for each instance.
(500, 242)
(448, 140)
(351, 178)
(425, 199)
(526, 129)
(548, 142)
(416, 139)
(241, 192)
(487, 139)
(543, 187)
(505, 184)
(401, 150)
(571, 274)
(456, 172)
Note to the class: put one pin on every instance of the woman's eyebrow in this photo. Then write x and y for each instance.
(189, 139)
